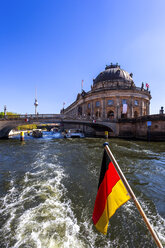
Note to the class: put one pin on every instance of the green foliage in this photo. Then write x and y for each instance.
(1, 114)
(27, 127)
(12, 115)
(9, 114)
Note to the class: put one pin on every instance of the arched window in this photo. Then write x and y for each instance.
(110, 102)
(88, 115)
(136, 102)
(97, 114)
(123, 116)
(110, 114)
(79, 110)
(124, 101)
(135, 114)
(97, 104)
(89, 105)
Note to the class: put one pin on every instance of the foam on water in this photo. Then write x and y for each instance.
(38, 214)
(135, 149)
(156, 221)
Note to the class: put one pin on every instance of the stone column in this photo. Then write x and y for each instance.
(141, 108)
(128, 108)
(148, 108)
(131, 107)
(103, 108)
(77, 111)
(84, 109)
(92, 109)
(82, 106)
(118, 106)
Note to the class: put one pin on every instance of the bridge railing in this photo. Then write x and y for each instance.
(38, 117)
(63, 117)
(87, 118)
(31, 117)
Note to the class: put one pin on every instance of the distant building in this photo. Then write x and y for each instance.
(113, 95)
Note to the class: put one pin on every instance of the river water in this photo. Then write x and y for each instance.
(48, 188)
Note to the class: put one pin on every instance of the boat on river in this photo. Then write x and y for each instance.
(72, 133)
(37, 133)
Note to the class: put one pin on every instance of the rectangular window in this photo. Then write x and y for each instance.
(110, 102)
(124, 101)
(136, 103)
(89, 106)
(97, 104)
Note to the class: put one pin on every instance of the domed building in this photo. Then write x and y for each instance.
(113, 96)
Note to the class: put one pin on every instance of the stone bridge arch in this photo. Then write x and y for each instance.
(10, 122)
(6, 125)
(95, 125)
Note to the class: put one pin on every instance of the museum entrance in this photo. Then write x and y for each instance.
(110, 115)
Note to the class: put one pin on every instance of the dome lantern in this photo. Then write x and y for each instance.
(114, 73)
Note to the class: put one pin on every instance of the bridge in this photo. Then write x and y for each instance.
(149, 127)
(9, 122)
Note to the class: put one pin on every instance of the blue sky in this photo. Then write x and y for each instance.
(52, 45)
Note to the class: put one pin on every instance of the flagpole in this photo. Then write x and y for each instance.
(82, 85)
(132, 195)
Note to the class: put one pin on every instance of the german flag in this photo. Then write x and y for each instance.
(110, 196)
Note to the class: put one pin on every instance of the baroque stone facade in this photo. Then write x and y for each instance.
(113, 96)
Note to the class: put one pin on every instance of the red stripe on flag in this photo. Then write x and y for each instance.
(110, 179)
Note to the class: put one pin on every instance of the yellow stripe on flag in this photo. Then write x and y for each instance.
(116, 198)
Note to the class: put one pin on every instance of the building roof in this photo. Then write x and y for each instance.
(113, 72)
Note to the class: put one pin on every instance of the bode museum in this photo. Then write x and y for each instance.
(113, 96)
(116, 105)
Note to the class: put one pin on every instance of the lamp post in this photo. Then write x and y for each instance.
(5, 110)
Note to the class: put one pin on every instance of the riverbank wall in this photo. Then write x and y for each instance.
(151, 127)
